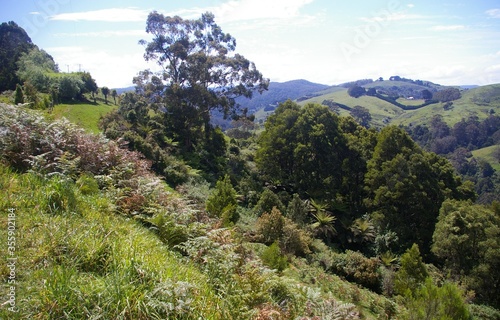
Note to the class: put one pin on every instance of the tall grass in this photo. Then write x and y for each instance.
(78, 260)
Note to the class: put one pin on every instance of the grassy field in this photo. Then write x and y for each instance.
(85, 115)
(477, 102)
(378, 108)
(488, 155)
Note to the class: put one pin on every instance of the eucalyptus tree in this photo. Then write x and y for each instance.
(200, 71)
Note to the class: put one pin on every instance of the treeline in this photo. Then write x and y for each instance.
(456, 144)
(35, 76)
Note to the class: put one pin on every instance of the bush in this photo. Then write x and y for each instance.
(294, 240)
(432, 302)
(411, 274)
(222, 202)
(357, 268)
(273, 257)
(267, 201)
(270, 226)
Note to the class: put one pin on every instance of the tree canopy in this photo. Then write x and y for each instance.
(197, 63)
(14, 41)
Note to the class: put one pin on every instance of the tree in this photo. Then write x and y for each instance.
(267, 201)
(70, 86)
(361, 115)
(38, 67)
(18, 96)
(89, 85)
(199, 70)
(14, 41)
(426, 94)
(407, 187)
(114, 94)
(448, 94)
(356, 91)
(303, 149)
(411, 274)
(433, 302)
(222, 201)
(467, 240)
(105, 92)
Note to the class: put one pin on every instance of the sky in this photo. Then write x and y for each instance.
(323, 41)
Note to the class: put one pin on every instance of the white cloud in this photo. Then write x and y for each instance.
(410, 5)
(105, 34)
(396, 16)
(34, 13)
(111, 69)
(448, 28)
(237, 10)
(109, 15)
(494, 13)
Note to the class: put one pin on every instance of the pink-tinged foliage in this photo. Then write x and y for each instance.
(29, 142)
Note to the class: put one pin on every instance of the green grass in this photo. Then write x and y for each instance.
(477, 102)
(83, 261)
(488, 155)
(378, 108)
(85, 115)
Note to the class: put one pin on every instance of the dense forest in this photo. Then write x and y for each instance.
(164, 215)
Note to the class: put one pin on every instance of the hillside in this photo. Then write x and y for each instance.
(279, 92)
(478, 101)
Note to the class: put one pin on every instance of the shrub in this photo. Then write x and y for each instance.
(294, 240)
(270, 226)
(411, 274)
(432, 302)
(297, 210)
(222, 202)
(19, 96)
(267, 201)
(273, 257)
(357, 268)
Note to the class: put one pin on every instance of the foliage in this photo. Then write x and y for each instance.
(404, 178)
(267, 201)
(432, 302)
(448, 94)
(37, 66)
(105, 91)
(362, 115)
(297, 210)
(70, 86)
(466, 239)
(357, 268)
(222, 202)
(19, 96)
(14, 42)
(356, 91)
(411, 274)
(302, 149)
(273, 257)
(270, 226)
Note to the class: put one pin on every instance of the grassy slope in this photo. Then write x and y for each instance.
(85, 115)
(487, 154)
(474, 102)
(89, 262)
(379, 109)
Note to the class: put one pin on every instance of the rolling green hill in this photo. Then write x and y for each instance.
(478, 102)
(488, 155)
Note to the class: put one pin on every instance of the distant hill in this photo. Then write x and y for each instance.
(127, 89)
(478, 101)
(279, 92)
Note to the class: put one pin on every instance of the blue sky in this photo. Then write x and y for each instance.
(324, 41)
